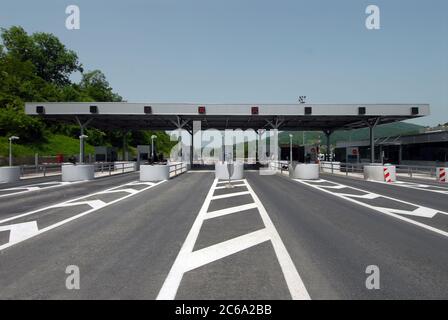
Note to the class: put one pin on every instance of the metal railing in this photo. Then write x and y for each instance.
(177, 169)
(358, 168)
(279, 165)
(110, 168)
(106, 168)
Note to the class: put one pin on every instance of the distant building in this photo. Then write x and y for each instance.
(429, 148)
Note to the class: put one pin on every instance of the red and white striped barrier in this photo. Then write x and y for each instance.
(387, 175)
(442, 175)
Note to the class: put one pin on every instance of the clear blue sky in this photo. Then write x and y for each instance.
(256, 51)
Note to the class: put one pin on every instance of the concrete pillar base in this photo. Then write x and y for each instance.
(9, 174)
(149, 173)
(80, 172)
(375, 172)
(221, 171)
(304, 171)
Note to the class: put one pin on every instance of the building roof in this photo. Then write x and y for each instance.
(168, 116)
(426, 137)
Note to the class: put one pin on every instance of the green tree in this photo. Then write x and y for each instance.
(95, 86)
(52, 60)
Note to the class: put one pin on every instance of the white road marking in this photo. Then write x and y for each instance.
(32, 187)
(223, 212)
(95, 204)
(127, 190)
(234, 185)
(187, 259)
(386, 211)
(367, 196)
(221, 250)
(230, 195)
(417, 186)
(295, 284)
(172, 281)
(337, 187)
(20, 231)
(232, 181)
(419, 212)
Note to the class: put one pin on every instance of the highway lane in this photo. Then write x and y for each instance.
(332, 241)
(269, 237)
(22, 202)
(124, 251)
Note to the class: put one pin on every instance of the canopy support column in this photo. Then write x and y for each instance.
(328, 154)
(82, 136)
(372, 124)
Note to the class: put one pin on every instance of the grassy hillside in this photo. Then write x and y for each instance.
(54, 145)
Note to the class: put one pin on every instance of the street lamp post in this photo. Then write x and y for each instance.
(152, 147)
(290, 149)
(10, 148)
(81, 147)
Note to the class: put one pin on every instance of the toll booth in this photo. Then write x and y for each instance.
(105, 154)
(143, 153)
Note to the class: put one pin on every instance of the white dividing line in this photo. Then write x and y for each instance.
(386, 211)
(32, 187)
(95, 204)
(187, 259)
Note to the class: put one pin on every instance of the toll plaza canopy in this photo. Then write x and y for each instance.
(171, 116)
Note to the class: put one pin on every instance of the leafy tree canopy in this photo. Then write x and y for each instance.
(53, 62)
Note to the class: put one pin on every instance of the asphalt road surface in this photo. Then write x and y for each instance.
(193, 237)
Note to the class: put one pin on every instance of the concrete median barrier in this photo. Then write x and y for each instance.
(151, 173)
(9, 174)
(222, 170)
(304, 171)
(379, 172)
(80, 172)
